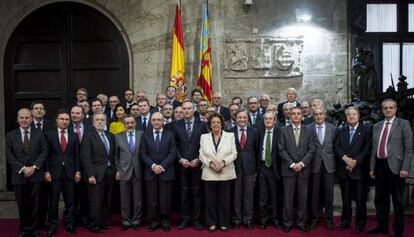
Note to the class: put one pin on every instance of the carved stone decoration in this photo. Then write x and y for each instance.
(263, 57)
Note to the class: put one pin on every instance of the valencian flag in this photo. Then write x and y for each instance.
(204, 73)
(177, 78)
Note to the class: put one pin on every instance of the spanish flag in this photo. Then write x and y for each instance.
(204, 73)
(177, 78)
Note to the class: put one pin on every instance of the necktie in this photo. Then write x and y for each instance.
(320, 135)
(105, 141)
(144, 124)
(157, 141)
(189, 130)
(351, 134)
(131, 144)
(78, 131)
(242, 139)
(268, 159)
(63, 142)
(254, 119)
(38, 126)
(297, 135)
(381, 151)
(218, 110)
(26, 142)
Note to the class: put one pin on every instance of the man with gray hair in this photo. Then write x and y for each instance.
(291, 96)
(264, 101)
(217, 103)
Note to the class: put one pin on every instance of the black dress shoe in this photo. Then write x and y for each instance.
(343, 226)
(329, 225)
(378, 230)
(153, 227)
(136, 226)
(198, 225)
(287, 229)
(303, 228)
(70, 229)
(313, 225)
(277, 224)
(124, 227)
(236, 225)
(96, 229)
(360, 228)
(166, 228)
(51, 231)
(249, 225)
(183, 225)
(263, 225)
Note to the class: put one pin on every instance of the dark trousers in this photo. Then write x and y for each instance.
(268, 190)
(295, 185)
(190, 179)
(28, 203)
(348, 186)
(386, 184)
(327, 180)
(159, 193)
(217, 194)
(65, 186)
(82, 202)
(44, 203)
(131, 201)
(243, 198)
(100, 195)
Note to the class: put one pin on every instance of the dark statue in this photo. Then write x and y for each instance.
(364, 83)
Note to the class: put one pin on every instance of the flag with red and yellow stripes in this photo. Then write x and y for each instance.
(177, 78)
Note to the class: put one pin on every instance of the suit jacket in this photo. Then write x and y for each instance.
(188, 148)
(259, 118)
(357, 150)
(18, 158)
(276, 162)
(94, 157)
(248, 157)
(127, 162)
(108, 115)
(280, 109)
(324, 152)
(59, 160)
(228, 125)
(47, 125)
(139, 119)
(165, 156)
(225, 112)
(226, 151)
(290, 153)
(175, 103)
(399, 145)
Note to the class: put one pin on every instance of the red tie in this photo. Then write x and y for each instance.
(242, 139)
(79, 133)
(63, 142)
(381, 151)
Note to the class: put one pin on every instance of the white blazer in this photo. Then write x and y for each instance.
(226, 152)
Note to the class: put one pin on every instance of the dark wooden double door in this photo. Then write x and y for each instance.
(55, 50)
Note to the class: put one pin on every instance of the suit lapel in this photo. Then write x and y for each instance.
(395, 124)
(356, 134)
(98, 137)
(236, 136)
(327, 134)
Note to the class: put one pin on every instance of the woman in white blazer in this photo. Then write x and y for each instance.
(217, 153)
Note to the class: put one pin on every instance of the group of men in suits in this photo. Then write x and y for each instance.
(293, 162)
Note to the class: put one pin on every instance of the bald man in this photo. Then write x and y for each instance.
(217, 104)
(26, 153)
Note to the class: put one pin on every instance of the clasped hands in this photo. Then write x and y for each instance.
(187, 164)
(28, 171)
(350, 163)
(216, 166)
(297, 167)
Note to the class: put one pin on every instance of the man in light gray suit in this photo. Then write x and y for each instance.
(323, 167)
(296, 149)
(391, 156)
(129, 173)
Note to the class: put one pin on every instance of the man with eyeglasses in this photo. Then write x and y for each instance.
(110, 112)
(264, 101)
(39, 121)
(254, 115)
(129, 99)
(81, 94)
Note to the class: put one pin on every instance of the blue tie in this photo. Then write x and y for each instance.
(351, 134)
(131, 144)
(157, 141)
(105, 141)
(189, 131)
(320, 135)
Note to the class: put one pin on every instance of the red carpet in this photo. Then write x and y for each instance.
(8, 228)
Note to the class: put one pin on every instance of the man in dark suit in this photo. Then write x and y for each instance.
(98, 164)
(285, 120)
(129, 174)
(158, 153)
(291, 96)
(391, 155)
(269, 173)
(187, 136)
(217, 101)
(161, 100)
(129, 99)
(26, 152)
(78, 126)
(247, 144)
(264, 101)
(62, 171)
(352, 146)
(315, 104)
(231, 123)
(39, 121)
(254, 115)
(323, 168)
(170, 92)
(143, 121)
(110, 111)
(296, 149)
